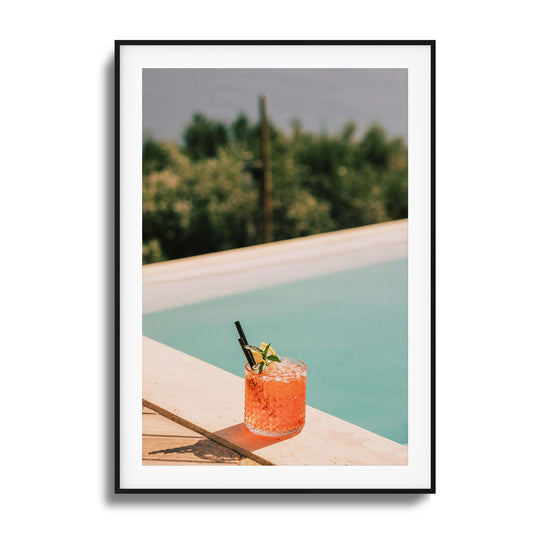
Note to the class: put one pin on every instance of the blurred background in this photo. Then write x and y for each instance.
(237, 157)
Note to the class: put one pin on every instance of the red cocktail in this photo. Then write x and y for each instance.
(274, 399)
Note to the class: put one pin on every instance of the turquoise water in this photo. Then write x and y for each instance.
(350, 328)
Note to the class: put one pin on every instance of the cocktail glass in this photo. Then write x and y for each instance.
(274, 399)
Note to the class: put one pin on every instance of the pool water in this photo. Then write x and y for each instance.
(350, 328)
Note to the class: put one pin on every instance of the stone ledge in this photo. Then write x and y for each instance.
(210, 401)
(194, 279)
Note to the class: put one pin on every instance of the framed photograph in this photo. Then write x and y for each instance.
(275, 266)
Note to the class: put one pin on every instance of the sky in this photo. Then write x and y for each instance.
(321, 99)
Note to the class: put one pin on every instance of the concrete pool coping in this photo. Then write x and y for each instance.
(210, 401)
(194, 279)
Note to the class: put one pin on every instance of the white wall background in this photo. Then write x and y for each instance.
(56, 282)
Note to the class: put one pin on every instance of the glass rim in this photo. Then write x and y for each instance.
(283, 358)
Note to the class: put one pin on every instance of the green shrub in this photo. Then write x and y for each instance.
(204, 196)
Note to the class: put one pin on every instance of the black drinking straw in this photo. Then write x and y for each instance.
(243, 342)
(241, 332)
(247, 353)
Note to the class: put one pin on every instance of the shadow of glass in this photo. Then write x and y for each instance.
(242, 437)
(203, 449)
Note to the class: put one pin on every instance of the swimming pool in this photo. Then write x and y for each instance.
(349, 327)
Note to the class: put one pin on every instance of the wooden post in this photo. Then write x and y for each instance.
(266, 188)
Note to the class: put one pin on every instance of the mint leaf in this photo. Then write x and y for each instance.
(267, 358)
(258, 368)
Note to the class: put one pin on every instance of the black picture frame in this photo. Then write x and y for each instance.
(119, 47)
